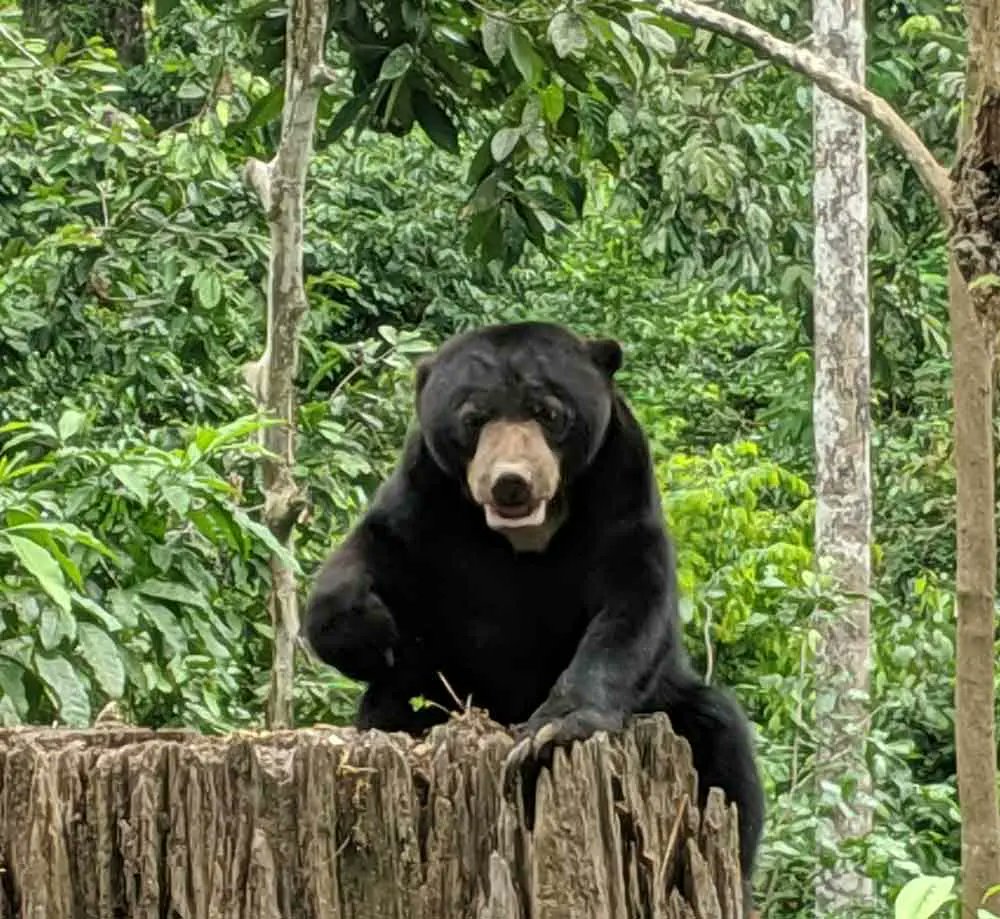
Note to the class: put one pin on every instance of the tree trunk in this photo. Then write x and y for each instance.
(323, 824)
(842, 436)
(118, 22)
(975, 321)
(975, 735)
(280, 185)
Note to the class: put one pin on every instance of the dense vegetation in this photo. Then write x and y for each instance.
(132, 559)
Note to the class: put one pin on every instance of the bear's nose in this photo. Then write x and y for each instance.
(510, 490)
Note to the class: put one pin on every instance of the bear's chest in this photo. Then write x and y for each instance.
(504, 625)
(507, 600)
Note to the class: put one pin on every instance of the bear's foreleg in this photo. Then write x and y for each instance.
(346, 623)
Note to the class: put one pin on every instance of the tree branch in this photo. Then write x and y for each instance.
(934, 176)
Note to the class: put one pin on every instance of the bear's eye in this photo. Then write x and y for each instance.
(553, 415)
(472, 418)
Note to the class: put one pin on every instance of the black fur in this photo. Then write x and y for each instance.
(579, 636)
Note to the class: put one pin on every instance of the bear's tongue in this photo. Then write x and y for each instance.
(532, 517)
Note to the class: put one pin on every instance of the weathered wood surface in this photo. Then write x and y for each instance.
(332, 823)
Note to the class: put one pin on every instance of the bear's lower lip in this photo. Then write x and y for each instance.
(529, 516)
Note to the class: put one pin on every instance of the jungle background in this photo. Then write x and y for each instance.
(133, 563)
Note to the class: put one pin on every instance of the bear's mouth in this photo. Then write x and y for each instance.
(521, 515)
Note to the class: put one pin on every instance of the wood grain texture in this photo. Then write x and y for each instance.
(335, 824)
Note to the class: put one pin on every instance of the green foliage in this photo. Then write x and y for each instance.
(613, 172)
(925, 895)
(140, 597)
(127, 254)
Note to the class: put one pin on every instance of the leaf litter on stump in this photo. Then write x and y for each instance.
(327, 823)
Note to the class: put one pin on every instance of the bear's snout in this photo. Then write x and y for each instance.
(513, 474)
(511, 489)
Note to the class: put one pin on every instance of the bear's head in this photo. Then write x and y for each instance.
(514, 413)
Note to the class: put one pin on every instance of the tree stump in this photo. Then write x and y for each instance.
(330, 823)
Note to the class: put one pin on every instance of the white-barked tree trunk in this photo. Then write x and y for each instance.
(842, 427)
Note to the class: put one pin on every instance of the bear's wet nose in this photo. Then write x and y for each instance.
(510, 490)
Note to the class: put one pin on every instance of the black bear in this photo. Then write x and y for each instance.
(519, 550)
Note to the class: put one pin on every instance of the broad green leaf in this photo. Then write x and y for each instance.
(486, 195)
(208, 287)
(553, 102)
(264, 534)
(98, 612)
(101, 655)
(166, 590)
(231, 433)
(54, 624)
(531, 114)
(504, 142)
(12, 684)
(396, 63)
(264, 110)
(166, 624)
(435, 122)
(69, 567)
(654, 37)
(923, 896)
(536, 141)
(345, 117)
(190, 90)
(481, 164)
(28, 609)
(64, 530)
(178, 498)
(124, 607)
(70, 422)
(567, 33)
(68, 691)
(573, 74)
(43, 567)
(98, 67)
(212, 644)
(533, 225)
(20, 649)
(526, 58)
(133, 481)
(495, 34)
(9, 717)
(161, 556)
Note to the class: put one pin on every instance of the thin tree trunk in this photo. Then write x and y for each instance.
(975, 321)
(975, 735)
(280, 185)
(842, 439)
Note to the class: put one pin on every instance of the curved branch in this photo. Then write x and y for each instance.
(934, 176)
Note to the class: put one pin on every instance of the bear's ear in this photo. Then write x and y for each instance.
(423, 371)
(606, 353)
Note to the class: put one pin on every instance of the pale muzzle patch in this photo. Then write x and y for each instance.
(513, 475)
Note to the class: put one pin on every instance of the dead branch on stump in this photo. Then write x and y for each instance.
(328, 823)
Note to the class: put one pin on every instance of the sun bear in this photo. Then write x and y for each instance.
(519, 550)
